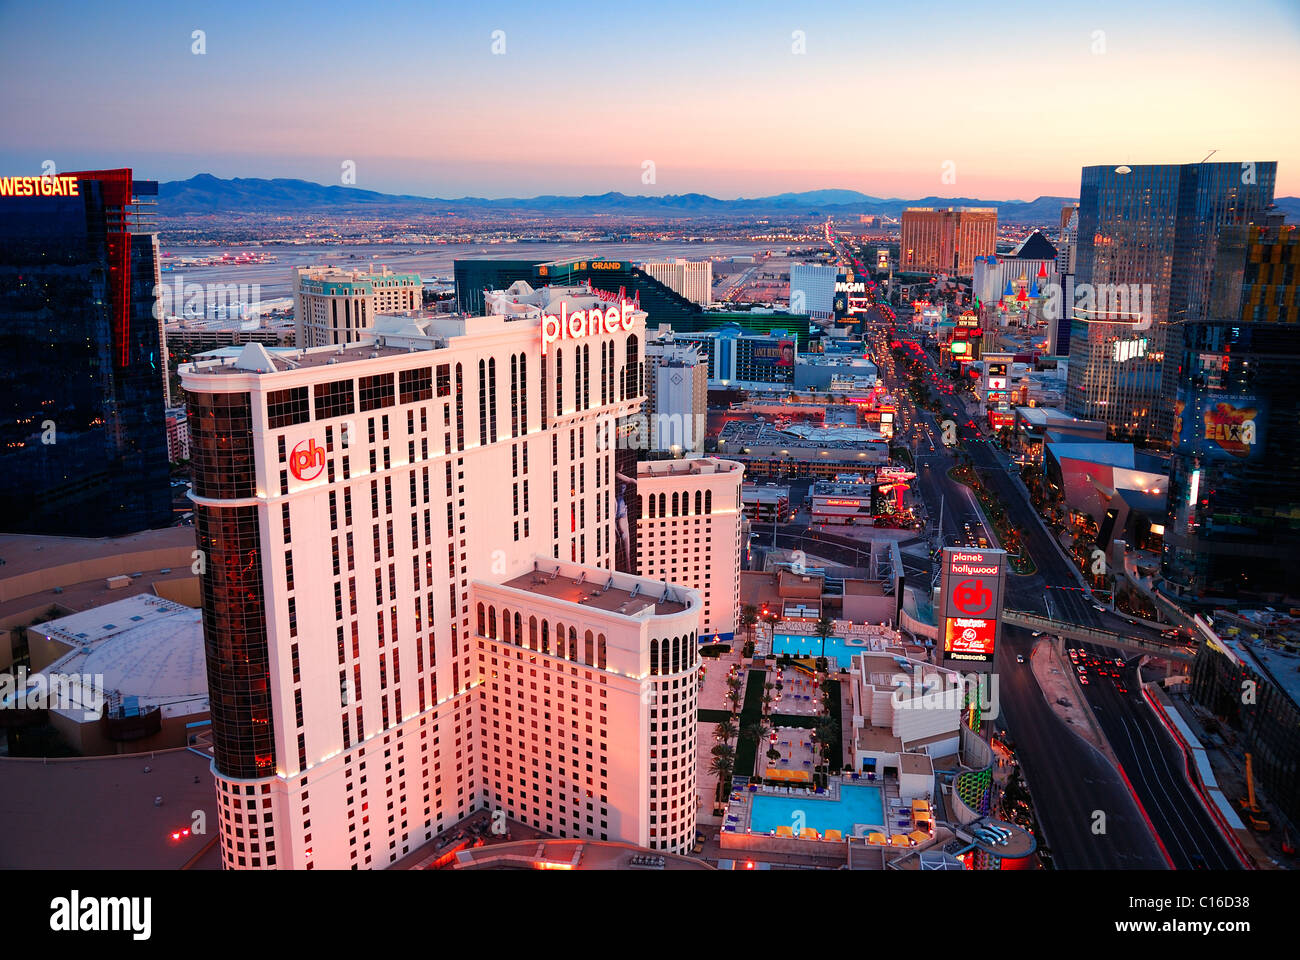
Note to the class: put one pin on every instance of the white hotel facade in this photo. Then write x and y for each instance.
(409, 599)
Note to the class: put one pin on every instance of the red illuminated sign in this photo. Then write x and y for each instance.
(972, 596)
(969, 637)
(307, 464)
(842, 503)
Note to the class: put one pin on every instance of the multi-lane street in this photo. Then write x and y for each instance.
(1153, 819)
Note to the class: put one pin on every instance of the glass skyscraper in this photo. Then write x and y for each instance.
(1234, 508)
(83, 439)
(1145, 261)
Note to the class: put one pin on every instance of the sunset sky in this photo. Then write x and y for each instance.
(1011, 94)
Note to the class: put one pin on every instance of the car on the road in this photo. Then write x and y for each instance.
(1082, 670)
(1099, 607)
(1121, 688)
(1020, 658)
(1084, 681)
(1037, 633)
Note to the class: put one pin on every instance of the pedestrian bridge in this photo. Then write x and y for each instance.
(1080, 633)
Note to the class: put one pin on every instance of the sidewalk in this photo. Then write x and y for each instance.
(1055, 676)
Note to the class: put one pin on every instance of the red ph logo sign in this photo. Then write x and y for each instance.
(971, 597)
(307, 464)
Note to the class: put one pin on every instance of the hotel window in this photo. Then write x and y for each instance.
(559, 383)
(417, 384)
(444, 379)
(333, 399)
(523, 394)
(514, 395)
(460, 408)
(284, 408)
(376, 391)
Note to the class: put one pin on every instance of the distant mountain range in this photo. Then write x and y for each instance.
(206, 195)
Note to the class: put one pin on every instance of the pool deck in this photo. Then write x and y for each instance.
(741, 807)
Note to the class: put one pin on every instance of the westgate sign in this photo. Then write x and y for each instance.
(586, 323)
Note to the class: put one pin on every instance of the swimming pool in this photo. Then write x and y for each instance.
(801, 646)
(857, 804)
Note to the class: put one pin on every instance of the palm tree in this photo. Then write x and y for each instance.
(722, 767)
(726, 730)
(824, 628)
(749, 619)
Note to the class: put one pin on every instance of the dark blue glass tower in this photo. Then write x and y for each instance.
(83, 439)
(1156, 225)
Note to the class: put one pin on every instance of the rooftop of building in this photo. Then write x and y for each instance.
(762, 433)
(100, 813)
(550, 854)
(840, 488)
(1108, 453)
(1051, 416)
(764, 492)
(1266, 639)
(690, 466)
(915, 763)
(70, 573)
(142, 646)
(610, 592)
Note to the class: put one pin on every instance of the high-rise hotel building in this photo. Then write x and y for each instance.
(690, 533)
(333, 306)
(946, 240)
(409, 602)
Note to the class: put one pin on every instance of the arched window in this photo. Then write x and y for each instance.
(532, 633)
(519, 630)
(604, 372)
(559, 640)
(708, 501)
(699, 502)
(589, 649)
(663, 656)
(546, 636)
(674, 503)
(600, 651)
(559, 382)
(663, 504)
(588, 378)
(523, 396)
(482, 403)
(460, 408)
(677, 654)
(514, 394)
(632, 373)
(506, 635)
(654, 657)
(573, 644)
(492, 622)
(651, 498)
(482, 620)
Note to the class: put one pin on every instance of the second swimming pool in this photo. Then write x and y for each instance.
(857, 804)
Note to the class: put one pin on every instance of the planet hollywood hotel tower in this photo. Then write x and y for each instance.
(410, 605)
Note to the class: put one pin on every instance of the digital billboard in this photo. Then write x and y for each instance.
(972, 584)
(779, 353)
(1222, 427)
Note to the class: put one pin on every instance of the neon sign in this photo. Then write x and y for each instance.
(51, 186)
(585, 323)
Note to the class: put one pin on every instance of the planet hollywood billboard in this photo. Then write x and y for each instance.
(971, 589)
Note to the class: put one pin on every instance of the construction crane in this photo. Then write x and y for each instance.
(1248, 803)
